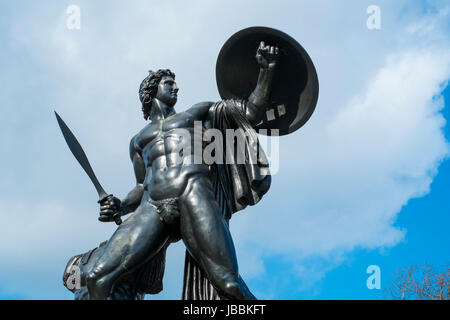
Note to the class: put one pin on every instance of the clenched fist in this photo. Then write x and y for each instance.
(108, 208)
(267, 56)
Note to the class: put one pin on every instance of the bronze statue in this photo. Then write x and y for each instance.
(179, 195)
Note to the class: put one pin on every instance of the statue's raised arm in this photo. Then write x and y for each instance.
(258, 101)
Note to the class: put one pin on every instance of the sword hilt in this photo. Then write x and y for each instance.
(116, 216)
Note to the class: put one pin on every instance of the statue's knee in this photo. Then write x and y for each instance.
(98, 283)
(95, 276)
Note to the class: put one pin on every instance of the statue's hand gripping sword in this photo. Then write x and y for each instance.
(82, 159)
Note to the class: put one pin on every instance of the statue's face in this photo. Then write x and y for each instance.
(167, 91)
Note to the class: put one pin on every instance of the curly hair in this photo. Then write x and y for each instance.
(149, 87)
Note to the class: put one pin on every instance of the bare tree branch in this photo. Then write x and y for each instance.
(420, 282)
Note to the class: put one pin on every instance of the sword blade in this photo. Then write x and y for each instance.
(81, 157)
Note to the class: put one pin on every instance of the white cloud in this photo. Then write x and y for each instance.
(430, 23)
(379, 151)
(37, 241)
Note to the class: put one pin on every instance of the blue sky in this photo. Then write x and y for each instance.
(364, 182)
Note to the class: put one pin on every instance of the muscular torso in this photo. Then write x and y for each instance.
(169, 154)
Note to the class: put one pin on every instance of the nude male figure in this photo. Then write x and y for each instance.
(175, 195)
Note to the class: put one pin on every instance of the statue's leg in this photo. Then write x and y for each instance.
(208, 239)
(136, 240)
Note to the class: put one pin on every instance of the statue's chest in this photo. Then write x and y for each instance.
(173, 126)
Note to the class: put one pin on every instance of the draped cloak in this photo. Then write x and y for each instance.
(236, 183)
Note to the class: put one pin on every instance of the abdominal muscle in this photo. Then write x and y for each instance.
(171, 181)
(171, 170)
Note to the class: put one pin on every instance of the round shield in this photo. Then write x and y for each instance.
(295, 87)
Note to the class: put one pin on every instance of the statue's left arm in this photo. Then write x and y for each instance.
(258, 101)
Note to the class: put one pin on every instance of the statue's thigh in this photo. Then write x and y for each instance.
(134, 242)
(203, 229)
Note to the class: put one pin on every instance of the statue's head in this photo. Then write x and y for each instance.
(158, 85)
